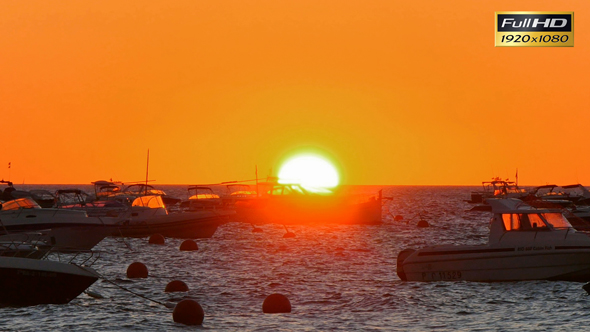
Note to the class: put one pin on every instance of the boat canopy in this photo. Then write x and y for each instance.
(142, 189)
(153, 202)
(240, 190)
(201, 192)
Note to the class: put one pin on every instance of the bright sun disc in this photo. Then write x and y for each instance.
(309, 171)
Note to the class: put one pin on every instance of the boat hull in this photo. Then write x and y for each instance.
(314, 210)
(186, 225)
(26, 282)
(66, 230)
(497, 264)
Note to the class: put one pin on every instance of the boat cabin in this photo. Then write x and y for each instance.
(517, 221)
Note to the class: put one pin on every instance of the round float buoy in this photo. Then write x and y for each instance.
(275, 304)
(188, 312)
(586, 287)
(137, 270)
(157, 239)
(176, 286)
(422, 223)
(188, 245)
(398, 218)
(288, 235)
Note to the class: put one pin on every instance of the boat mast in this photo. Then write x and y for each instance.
(257, 191)
(147, 171)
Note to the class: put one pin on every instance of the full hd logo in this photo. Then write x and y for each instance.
(535, 29)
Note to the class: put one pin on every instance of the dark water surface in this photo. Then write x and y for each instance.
(338, 278)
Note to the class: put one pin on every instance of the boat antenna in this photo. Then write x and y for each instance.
(147, 171)
(9, 170)
(517, 176)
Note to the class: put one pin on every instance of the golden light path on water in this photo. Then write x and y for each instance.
(310, 171)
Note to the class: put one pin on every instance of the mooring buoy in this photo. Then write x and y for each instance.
(176, 286)
(188, 312)
(157, 239)
(137, 270)
(422, 223)
(188, 245)
(276, 303)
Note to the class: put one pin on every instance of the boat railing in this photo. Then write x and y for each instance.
(24, 244)
(75, 256)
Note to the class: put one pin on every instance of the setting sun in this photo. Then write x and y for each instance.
(309, 171)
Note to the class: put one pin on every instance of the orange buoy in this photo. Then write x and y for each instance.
(157, 239)
(176, 286)
(188, 312)
(137, 270)
(188, 245)
(275, 304)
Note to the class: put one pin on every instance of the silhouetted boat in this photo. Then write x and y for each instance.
(293, 204)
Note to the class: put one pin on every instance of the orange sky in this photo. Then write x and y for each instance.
(398, 92)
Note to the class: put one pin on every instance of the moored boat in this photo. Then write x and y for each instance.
(148, 215)
(68, 229)
(292, 204)
(201, 198)
(525, 243)
(25, 281)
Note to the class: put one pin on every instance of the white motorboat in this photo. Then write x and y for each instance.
(497, 188)
(148, 215)
(144, 216)
(525, 243)
(67, 229)
(25, 282)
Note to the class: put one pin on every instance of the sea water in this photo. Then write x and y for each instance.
(337, 278)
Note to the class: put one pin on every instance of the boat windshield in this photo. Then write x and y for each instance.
(556, 219)
(534, 221)
(20, 203)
